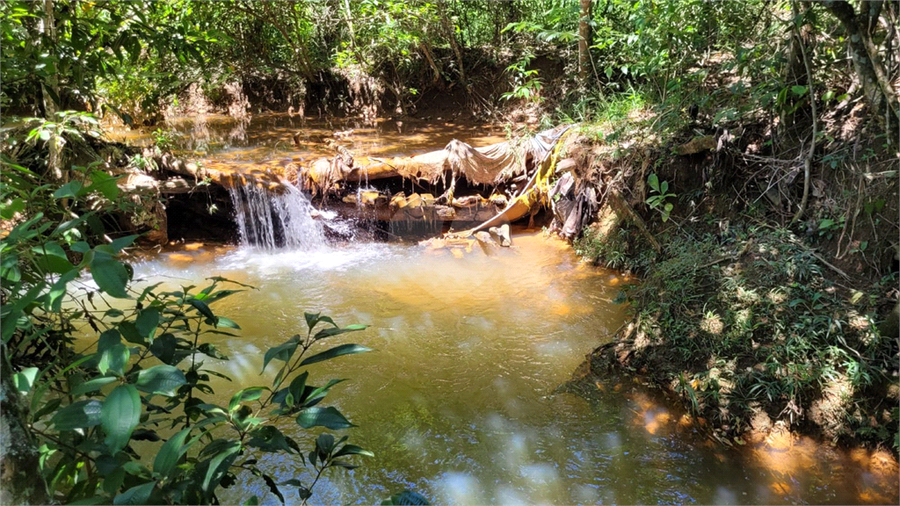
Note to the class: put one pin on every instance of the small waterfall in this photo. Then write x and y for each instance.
(271, 220)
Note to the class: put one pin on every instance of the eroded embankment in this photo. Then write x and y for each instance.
(757, 329)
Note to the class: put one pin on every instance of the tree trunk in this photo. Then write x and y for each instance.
(584, 40)
(21, 481)
(426, 50)
(795, 73)
(454, 44)
(51, 95)
(869, 67)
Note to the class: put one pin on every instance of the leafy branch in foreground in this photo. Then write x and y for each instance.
(144, 387)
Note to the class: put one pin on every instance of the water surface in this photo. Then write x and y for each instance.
(458, 399)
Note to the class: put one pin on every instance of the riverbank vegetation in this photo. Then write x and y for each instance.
(742, 158)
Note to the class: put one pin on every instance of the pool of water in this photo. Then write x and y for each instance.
(458, 399)
(271, 140)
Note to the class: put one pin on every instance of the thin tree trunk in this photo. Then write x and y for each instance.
(349, 19)
(51, 95)
(426, 50)
(807, 163)
(451, 36)
(584, 39)
(868, 64)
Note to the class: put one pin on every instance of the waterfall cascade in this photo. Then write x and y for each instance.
(272, 220)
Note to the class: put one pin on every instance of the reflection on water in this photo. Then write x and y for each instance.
(273, 139)
(457, 400)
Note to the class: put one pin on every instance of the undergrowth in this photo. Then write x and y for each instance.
(746, 322)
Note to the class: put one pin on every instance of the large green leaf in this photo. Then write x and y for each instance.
(71, 189)
(109, 274)
(219, 464)
(247, 394)
(93, 385)
(282, 352)
(160, 379)
(78, 415)
(147, 322)
(337, 351)
(120, 414)
(269, 438)
(201, 306)
(328, 417)
(170, 453)
(25, 380)
(139, 494)
(105, 184)
(54, 298)
(114, 359)
(163, 348)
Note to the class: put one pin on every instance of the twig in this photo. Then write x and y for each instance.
(835, 269)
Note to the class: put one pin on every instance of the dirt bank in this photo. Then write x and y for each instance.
(752, 323)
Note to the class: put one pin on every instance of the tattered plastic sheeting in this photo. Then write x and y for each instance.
(485, 165)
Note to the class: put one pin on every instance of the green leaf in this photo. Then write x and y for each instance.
(93, 385)
(171, 452)
(71, 189)
(311, 319)
(160, 379)
(105, 184)
(247, 394)
(163, 348)
(147, 322)
(653, 181)
(109, 274)
(210, 350)
(353, 450)
(337, 351)
(25, 380)
(269, 438)
(120, 414)
(322, 334)
(329, 418)
(201, 306)
(282, 352)
(8, 210)
(324, 445)
(52, 258)
(78, 415)
(799, 90)
(227, 323)
(54, 298)
(317, 394)
(219, 464)
(139, 494)
(114, 359)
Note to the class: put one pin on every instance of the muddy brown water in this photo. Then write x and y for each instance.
(458, 401)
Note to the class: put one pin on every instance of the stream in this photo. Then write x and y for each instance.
(457, 401)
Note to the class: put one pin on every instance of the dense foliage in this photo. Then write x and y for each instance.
(143, 388)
